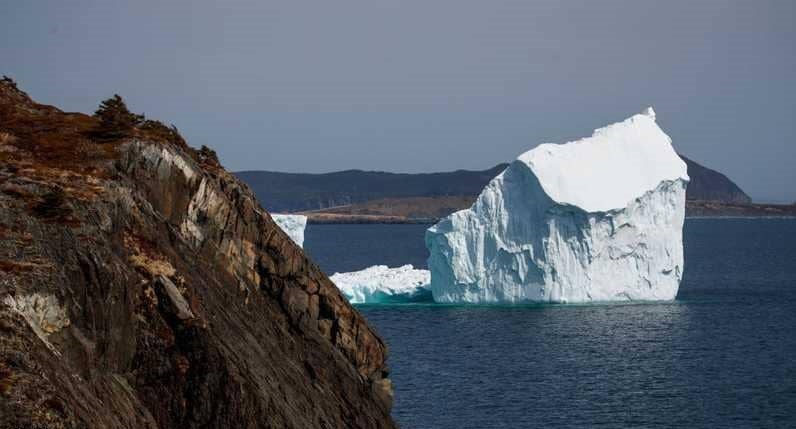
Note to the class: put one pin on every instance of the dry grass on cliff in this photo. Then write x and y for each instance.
(7, 138)
(39, 137)
(14, 267)
(45, 136)
(145, 257)
(17, 267)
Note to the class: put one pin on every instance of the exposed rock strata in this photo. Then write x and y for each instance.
(142, 286)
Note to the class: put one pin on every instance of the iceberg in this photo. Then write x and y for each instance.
(598, 219)
(293, 225)
(381, 284)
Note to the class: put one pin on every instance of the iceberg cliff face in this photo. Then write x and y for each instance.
(599, 219)
(293, 225)
(381, 284)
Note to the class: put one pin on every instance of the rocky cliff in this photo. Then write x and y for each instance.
(142, 286)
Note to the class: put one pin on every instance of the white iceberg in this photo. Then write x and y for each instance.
(599, 219)
(293, 225)
(381, 284)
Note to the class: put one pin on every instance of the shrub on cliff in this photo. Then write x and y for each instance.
(115, 120)
(8, 81)
(207, 156)
(157, 130)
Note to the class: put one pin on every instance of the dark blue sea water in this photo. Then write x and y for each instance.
(723, 355)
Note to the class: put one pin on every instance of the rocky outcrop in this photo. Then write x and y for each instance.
(142, 286)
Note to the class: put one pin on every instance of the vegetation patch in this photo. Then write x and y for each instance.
(116, 122)
(15, 267)
(145, 258)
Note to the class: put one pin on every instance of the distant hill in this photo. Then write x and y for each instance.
(291, 192)
(421, 195)
(710, 185)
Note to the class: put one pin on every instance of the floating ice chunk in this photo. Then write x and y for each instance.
(599, 219)
(293, 225)
(381, 284)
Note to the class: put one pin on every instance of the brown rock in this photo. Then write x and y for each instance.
(179, 306)
(186, 305)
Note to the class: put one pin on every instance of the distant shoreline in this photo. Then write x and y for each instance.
(355, 220)
(694, 210)
(742, 217)
(333, 218)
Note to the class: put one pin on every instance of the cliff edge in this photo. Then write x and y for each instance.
(142, 286)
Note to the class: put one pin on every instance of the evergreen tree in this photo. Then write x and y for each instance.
(8, 81)
(116, 120)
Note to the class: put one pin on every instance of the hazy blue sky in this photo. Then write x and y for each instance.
(424, 85)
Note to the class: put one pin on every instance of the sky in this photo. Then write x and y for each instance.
(424, 85)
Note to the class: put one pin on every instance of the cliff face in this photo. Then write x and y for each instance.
(141, 285)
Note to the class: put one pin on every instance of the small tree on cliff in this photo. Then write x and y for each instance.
(116, 120)
(159, 131)
(8, 81)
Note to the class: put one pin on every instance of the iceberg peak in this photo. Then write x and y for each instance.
(649, 111)
(615, 165)
(597, 219)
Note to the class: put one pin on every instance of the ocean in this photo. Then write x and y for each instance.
(723, 355)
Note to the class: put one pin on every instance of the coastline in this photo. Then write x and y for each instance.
(694, 210)
(334, 218)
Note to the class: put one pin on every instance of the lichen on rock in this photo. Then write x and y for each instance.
(43, 314)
